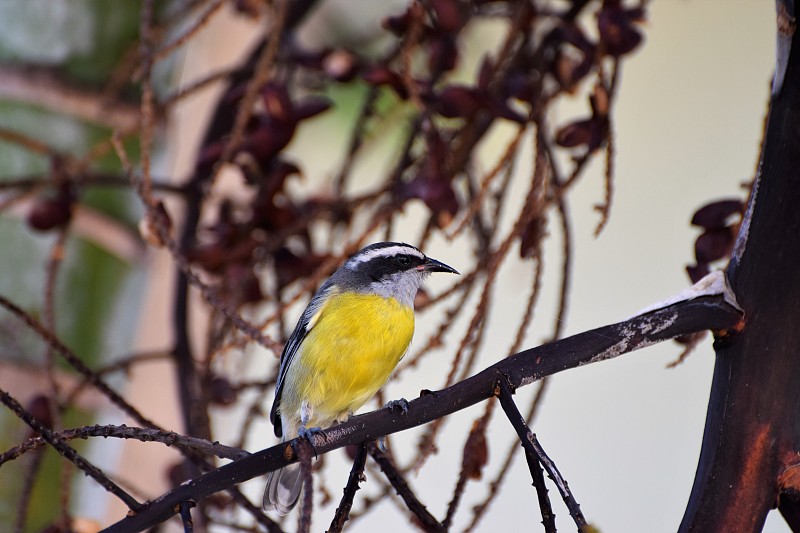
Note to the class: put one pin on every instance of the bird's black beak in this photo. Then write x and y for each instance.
(432, 265)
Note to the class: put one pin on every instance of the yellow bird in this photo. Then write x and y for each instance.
(343, 349)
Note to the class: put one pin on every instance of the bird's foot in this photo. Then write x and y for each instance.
(398, 406)
(310, 433)
(382, 444)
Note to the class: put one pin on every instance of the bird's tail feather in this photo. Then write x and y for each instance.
(283, 489)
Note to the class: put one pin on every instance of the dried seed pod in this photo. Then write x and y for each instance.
(221, 392)
(714, 244)
(459, 101)
(39, 407)
(449, 16)
(381, 75)
(697, 272)
(576, 133)
(618, 34)
(50, 213)
(442, 53)
(476, 452)
(532, 236)
(717, 214)
(438, 195)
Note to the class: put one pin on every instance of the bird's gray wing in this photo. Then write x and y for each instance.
(307, 321)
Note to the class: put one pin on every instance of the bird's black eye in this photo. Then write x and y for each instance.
(403, 260)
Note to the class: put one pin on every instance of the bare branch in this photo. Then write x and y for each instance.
(356, 477)
(168, 438)
(43, 88)
(186, 516)
(425, 518)
(50, 338)
(688, 316)
(69, 453)
(305, 453)
(535, 454)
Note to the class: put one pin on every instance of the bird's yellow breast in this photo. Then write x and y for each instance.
(355, 343)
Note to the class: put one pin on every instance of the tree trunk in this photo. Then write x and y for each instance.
(752, 431)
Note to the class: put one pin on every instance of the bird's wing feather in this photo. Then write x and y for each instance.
(307, 321)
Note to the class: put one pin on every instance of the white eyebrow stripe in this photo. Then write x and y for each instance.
(389, 251)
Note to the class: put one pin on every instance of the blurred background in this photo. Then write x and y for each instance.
(687, 119)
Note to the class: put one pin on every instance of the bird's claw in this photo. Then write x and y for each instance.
(381, 444)
(310, 433)
(398, 406)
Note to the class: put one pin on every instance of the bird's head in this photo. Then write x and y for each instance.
(390, 269)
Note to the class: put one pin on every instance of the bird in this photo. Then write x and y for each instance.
(351, 336)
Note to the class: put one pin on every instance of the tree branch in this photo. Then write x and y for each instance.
(305, 454)
(186, 516)
(69, 453)
(168, 438)
(342, 513)
(752, 430)
(535, 453)
(75, 362)
(43, 88)
(688, 316)
(398, 481)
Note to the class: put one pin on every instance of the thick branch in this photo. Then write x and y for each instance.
(708, 312)
(752, 429)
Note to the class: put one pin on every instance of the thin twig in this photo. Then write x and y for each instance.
(121, 364)
(534, 449)
(480, 509)
(474, 332)
(476, 202)
(481, 424)
(195, 86)
(168, 438)
(68, 452)
(605, 207)
(255, 512)
(448, 320)
(545, 507)
(186, 515)
(25, 493)
(85, 179)
(261, 75)
(426, 519)
(199, 24)
(305, 453)
(43, 88)
(356, 140)
(29, 143)
(144, 183)
(50, 338)
(474, 459)
(54, 398)
(356, 476)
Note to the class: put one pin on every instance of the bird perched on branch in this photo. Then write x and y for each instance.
(343, 349)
